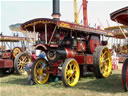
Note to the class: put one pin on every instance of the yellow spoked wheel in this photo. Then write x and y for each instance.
(20, 62)
(70, 72)
(16, 51)
(102, 62)
(40, 71)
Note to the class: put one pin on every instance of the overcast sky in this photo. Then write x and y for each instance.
(13, 12)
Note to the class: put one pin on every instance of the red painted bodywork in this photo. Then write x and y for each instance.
(93, 43)
(54, 70)
(70, 53)
(84, 59)
(81, 46)
(89, 59)
(80, 59)
(6, 63)
(6, 55)
(41, 46)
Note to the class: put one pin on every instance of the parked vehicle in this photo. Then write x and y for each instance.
(10, 52)
(71, 49)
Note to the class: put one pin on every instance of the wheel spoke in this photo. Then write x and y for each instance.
(69, 76)
(74, 68)
(68, 79)
(19, 67)
(73, 78)
(101, 59)
(106, 59)
(70, 66)
(102, 69)
(101, 64)
(103, 54)
(106, 69)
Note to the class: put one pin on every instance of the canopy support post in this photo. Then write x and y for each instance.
(34, 33)
(46, 34)
(52, 35)
(121, 29)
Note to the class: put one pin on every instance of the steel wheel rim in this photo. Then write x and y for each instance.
(16, 51)
(22, 62)
(127, 75)
(72, 73)
(105, 62)
(41, 73)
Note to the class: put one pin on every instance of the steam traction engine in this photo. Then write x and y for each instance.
(71, 49)
(11, 57)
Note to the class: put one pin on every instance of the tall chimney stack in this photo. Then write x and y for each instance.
(56, 10)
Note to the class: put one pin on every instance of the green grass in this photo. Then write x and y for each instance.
(14, 85)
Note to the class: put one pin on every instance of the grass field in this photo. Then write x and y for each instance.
(14, 85)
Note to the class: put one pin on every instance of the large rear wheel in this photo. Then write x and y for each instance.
(102, 62)
(70, 72)
(125, 75)
(20, 62)
(40, 71)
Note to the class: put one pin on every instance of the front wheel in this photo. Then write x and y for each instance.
(70, 72)
(125, 75)
(40, 71)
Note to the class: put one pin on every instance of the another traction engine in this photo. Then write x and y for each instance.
(71, 49)
(11, 56)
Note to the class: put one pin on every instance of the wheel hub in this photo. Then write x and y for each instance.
(40, 71)
(70, 72)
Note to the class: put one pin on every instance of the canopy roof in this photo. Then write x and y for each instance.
(120, 35)
(12, 39)
(120, 15)
(37, 25)
(115, 27)
(117, 32)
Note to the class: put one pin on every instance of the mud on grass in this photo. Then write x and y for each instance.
(14, 85)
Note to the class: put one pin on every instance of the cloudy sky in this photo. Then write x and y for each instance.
(19, 11)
